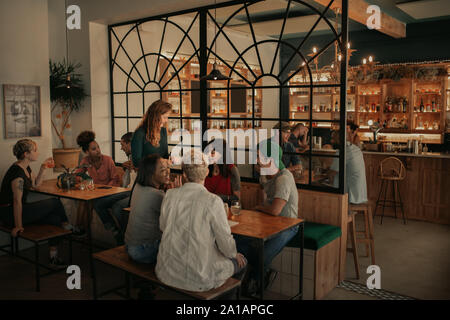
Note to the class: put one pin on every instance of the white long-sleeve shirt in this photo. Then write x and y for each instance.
(196, 245)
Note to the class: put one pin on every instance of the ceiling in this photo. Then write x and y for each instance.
(267, 16)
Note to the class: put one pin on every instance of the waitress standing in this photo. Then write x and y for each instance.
(151, 135)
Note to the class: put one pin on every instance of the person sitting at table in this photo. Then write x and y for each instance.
(355, 171)
(299, 137)
(290, 160)
(127, 181)
(197, 251)
(281, 200)
(102, 170)
(142, 235)
(223, 179)
(16, 212)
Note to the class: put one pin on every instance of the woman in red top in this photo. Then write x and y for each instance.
(223, 179)
(102, 170)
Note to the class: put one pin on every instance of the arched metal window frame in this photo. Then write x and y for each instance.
(204, 51)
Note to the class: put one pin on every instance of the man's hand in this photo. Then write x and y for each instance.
(128, 165)
(16, 230)
(241, 260)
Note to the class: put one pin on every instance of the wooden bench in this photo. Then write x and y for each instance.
(118, 258)
(36, 234)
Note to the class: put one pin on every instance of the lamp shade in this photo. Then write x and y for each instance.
(215, 74)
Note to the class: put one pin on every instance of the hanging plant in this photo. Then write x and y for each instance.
(67, 92)
(429, 74)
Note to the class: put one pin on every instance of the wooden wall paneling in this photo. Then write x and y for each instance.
(327, 266)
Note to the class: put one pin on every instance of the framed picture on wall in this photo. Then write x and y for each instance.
(21, 111)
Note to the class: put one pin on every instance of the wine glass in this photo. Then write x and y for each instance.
(235, 208)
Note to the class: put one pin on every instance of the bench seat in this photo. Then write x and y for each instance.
(118, 258)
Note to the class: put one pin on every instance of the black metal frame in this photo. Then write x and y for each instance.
(14, 252)
(205, 51)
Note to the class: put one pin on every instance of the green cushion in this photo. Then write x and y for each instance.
(316, 235)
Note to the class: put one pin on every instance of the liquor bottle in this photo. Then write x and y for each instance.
(378, 107)
(433, 106)
(405, 102)
(421, 105)
(336, 107)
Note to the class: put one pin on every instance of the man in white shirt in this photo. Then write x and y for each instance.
(355, 172)
(197, 251)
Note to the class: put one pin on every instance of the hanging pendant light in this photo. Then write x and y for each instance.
(68, 82)
(215, 73)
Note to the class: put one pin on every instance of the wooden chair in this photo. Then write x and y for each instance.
(392, 171)
(37, 234)
(118, 258)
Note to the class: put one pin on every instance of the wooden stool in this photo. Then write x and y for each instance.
(392, 171)
(352, 233)
(367, 234)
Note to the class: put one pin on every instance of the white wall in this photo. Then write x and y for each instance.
(24, 60)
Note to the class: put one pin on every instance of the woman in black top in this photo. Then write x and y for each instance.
(15, 211)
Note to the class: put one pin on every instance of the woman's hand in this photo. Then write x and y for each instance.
(16, 230)
(241, 260)
(176, 183)
(48, 163)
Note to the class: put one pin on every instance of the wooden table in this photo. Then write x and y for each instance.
(262, 227)
(49, 187)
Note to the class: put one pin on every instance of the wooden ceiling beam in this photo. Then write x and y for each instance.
(357, 11)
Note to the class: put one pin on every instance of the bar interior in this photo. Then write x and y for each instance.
(322, 127)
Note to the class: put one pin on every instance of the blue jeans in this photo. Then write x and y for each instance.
(144, 253)
(102, 205)
(272, 247)
(120, 214)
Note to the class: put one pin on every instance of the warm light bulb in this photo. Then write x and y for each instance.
(314, 50)
(332, 65)
(364, 61)
(348, 45)
(303, 63)
(339, 57)
(370, 59)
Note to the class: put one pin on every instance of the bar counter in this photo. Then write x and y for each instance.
(435, 155)
(425, 191)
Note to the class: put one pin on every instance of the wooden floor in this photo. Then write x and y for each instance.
(414, 261)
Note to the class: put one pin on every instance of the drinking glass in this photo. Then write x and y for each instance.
(82, 185)
(90, 185)
(235, 208)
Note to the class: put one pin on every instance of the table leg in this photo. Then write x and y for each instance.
(261, 269)
(89, 235)
(300, 288)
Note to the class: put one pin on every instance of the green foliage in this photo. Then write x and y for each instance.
(68, 98)
(67, 179)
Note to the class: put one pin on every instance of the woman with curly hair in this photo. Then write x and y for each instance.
(151, 135)
(103, 171)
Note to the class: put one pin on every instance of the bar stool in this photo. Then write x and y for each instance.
(392, 171)
(352, 232)
(367, 233)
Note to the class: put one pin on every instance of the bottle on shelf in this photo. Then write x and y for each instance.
(336, 107)
(405, 104)
(433, 106)
(421, 105)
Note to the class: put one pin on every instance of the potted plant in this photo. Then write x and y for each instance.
(68, 178)
(66, 95)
